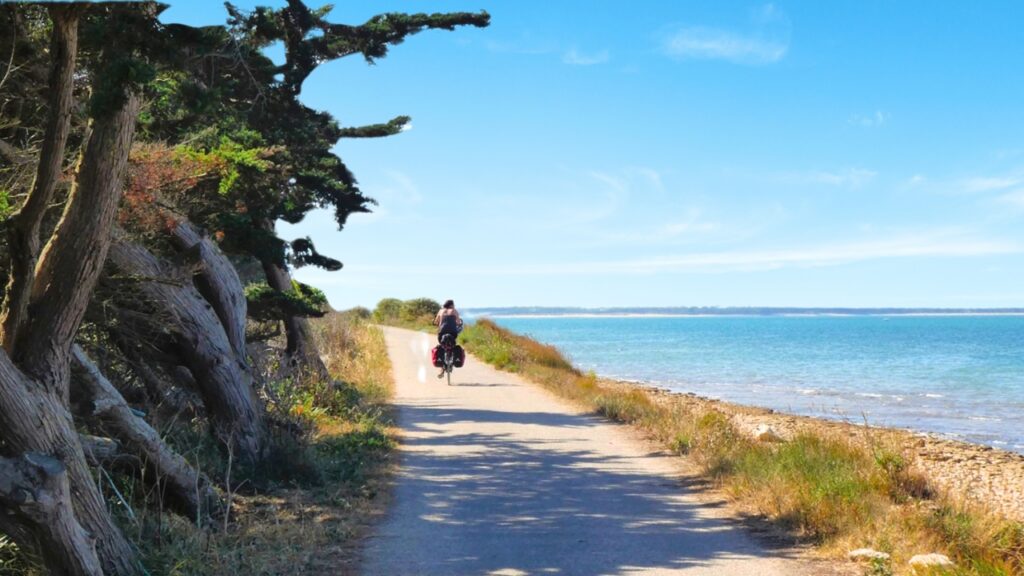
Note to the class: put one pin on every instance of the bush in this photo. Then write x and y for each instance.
(419, 310)
(388, 310)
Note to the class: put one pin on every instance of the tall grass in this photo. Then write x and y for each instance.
(831, 491)
(328, 483)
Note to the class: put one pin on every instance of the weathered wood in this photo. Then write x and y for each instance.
(224, 380)
(24, 225)
(186, 491)
(71, 261)
(217, 281)
(34, 487)
(36, 420)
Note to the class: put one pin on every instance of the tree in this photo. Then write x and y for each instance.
(47, 488)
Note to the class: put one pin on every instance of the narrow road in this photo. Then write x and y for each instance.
(499, 477)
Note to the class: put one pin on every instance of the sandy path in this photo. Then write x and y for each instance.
(499, 477)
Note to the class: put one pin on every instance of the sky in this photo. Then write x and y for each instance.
(654, 153)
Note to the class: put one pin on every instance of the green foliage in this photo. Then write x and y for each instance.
(267, 304)
(420, 310)
(387, 311)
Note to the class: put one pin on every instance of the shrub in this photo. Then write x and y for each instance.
(388, 310)
(419, 310)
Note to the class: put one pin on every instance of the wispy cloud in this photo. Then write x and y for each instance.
(698, 43)
(990, 183)
(577, 58)
(767, 41)
(1014, 199)
(879, 118)
(847, 178)
(924, 245)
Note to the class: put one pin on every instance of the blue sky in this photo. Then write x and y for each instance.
(654, 153)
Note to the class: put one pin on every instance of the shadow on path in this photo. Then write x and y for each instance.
(509, 502)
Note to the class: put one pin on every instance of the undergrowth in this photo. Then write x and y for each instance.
(834, 492)
(319, 488)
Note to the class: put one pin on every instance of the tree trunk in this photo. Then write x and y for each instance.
(224, 379)
(35, 487)
(33, 411)
(35, 420)
(23, 226)
(301, 349)
(217, 281)
(71, 261)
(187, 491)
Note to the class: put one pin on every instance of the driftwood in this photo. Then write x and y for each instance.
(186, 491)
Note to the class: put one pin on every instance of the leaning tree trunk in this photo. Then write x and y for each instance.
(24, 225)
(35, 488)
(217, 281)
(33, 411)
(35, 492)
(224, 379)
(187, 491)
(301, 348)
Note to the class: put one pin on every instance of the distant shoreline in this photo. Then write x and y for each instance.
(737, 312)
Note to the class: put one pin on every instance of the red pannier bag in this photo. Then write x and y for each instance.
(436, 357)
(460, 356)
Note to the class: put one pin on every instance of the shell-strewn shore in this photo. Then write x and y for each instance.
(978, 474)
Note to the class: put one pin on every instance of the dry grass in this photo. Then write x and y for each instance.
(830, 491)
(309, 522)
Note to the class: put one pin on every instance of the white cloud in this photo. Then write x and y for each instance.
(848, 178)
(577, 58)
(990, 183)
(699, 43)
(1014, 198)
(879, 118)
(765, 41)
(920, 246)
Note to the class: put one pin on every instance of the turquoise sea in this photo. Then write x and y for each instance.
(959, 376)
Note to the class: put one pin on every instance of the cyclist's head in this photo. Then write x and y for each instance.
(449, 304)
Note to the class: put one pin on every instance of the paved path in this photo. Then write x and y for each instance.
(499, 477)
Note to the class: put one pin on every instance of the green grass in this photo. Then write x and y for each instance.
(826, 490)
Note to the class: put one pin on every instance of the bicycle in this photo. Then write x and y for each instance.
(450, 356)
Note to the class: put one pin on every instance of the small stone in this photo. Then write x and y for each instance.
(866, 554)
(931, 561)
(765, 433)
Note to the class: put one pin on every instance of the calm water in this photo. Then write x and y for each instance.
(961, 376)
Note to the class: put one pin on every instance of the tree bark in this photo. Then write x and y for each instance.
(71, 261)
(36, 420)
(224, 380)
(217, 281)
(35, 487)
(187, 491)
(301, 348)
(34, 396)
(24, 225)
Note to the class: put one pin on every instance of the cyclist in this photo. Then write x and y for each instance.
(447, 321)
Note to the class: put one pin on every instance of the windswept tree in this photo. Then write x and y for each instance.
(257, 107)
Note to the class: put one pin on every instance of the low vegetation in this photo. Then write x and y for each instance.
(326, 486)
(834, 492)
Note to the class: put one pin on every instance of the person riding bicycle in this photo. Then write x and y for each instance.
(447, 321)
